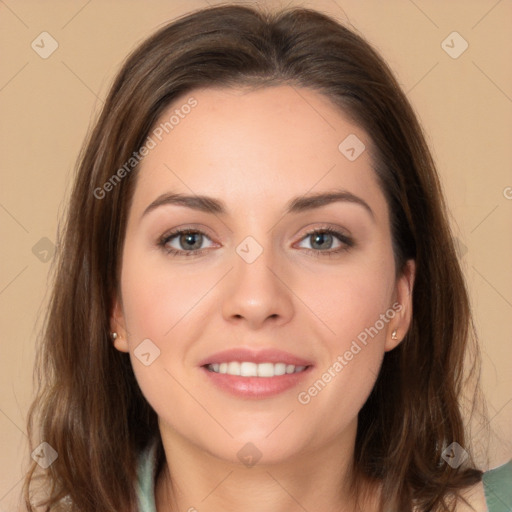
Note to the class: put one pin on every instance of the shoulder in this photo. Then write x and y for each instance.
(497, 485)
(492, 494)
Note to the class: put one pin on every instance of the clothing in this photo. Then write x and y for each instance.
(498, 488)
(497, 484)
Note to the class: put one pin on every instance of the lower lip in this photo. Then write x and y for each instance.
(256, 387)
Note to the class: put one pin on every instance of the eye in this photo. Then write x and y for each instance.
(322, 240)
(189, 242)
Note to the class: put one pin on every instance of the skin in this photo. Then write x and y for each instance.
(255, 150)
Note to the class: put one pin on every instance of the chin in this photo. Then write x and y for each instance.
(255, 447)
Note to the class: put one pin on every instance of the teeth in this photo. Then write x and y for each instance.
(248, 369)
(233, 368)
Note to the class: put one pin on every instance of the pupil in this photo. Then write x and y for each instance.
(190, 236)
(321, 236)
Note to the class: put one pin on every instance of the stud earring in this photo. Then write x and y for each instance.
(113, 335)
(393, 335)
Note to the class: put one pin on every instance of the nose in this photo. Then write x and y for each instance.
(258, 293)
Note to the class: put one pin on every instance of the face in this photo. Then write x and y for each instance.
(298, 295)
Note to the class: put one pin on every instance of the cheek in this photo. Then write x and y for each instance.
(156, 298)
(159, 309)
(350, 299)
(164, 304)
(355, 306)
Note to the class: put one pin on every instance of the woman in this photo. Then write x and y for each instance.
(255, 368)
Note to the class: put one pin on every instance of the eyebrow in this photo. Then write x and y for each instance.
(296, 205)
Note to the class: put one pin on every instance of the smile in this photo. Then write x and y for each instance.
(250, 369)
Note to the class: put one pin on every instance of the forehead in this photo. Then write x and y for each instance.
(273, 142)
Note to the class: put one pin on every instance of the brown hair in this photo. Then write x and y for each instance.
(89, 407)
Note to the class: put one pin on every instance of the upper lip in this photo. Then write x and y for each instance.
(267, 355)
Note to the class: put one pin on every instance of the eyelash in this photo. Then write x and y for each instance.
(347, 242)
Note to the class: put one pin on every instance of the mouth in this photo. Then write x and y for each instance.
(248, 374)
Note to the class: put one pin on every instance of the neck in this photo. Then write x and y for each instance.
(194, 480)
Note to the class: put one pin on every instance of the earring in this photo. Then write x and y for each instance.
(393, 335)
(113, 335)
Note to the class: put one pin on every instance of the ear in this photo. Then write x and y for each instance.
(403, 306)
(118, 325)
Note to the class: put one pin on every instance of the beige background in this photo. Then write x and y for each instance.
(46, 106)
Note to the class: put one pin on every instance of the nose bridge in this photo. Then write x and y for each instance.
(255, 290)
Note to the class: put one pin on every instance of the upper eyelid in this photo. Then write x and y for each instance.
(342, 237)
